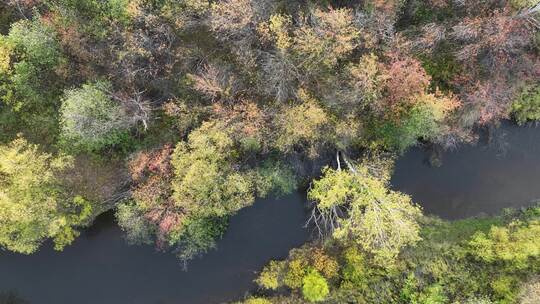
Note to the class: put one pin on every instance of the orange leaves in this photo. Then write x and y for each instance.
(151, 172)
(244, 117)
(155, 162)
(406, 79)
(491, 98)
(500, 36)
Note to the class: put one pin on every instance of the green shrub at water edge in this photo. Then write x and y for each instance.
(527, 105)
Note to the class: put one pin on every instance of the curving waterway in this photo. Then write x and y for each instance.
(101, 268)
(503, 172)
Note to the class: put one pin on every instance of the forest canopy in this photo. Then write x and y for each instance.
(179, 113)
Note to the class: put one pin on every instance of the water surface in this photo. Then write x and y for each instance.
(100, 268)
(473, 180)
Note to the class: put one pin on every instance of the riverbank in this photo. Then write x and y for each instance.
(473, 180)
(484, 178)
(482, 260)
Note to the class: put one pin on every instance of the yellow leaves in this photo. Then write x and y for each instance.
(513, 244)
(439, 104)
(366, 76)
(335, 189)
(23, 165)
(279, 25)
(297, 270)
(277, 30)
(231, 17)
(305, 119)
(211, 135)
(6, 51)
(303, 123)
(270, 277)
(207, 179)
(257, 301)
(330, 36)
(65, 236)
(134, 8)
(32, 206)
(325, 264)
(379, 220)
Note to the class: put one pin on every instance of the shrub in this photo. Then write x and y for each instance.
(257, 301)
(34, 205)
(270, 276)
(514, 245)
(91, 120)
(315, 287)
(527, 105)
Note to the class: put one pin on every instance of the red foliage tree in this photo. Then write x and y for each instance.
(151, 173)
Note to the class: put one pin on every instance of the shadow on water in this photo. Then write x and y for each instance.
(101, 268)
(11, 297)
(499, 173)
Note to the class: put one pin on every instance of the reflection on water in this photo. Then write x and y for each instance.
(11, 297)
(100, 268)
(483, 179)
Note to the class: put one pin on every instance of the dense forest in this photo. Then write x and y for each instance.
(176, 114)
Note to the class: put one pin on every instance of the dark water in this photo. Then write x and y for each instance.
(100, 268)
(473, 180)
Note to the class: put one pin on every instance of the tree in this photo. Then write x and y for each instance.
(514, 245)
(271, 276)
(358, 87)
(30, 57)
(233, 20)
(216, 82)
(182, 197)
(30, 53)
(304, 125)
(357, 208)
(527, 105)
(405, 80)
(234, 23)
(315, 288)
(91, 120)
(426, 119)
(33, 204)
(494, 48)
(130, 218)
(323, 38)
(185, 13)
(205, 180)
(93, 17)
(151, 214)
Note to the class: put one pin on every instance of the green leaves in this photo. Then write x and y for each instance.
(515, 244)
(33, 204)
(364, 212)
(314, 287)
(91, 120)
(206, 183)
(29, 58)
(526, 106)
(35, 42)
(183, 198)
(197, 235)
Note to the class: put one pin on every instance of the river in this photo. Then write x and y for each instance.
(475, 180)
(101, 268)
